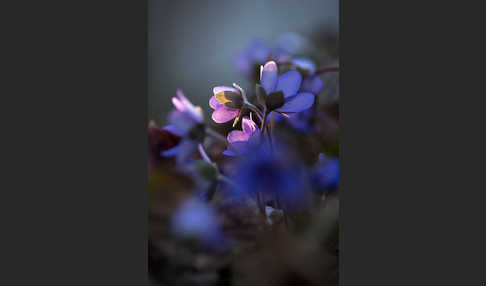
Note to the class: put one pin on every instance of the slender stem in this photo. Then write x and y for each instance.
(255, 109)
(322, 70)
(242, 91)
(203, 153)
(247, 103)
(264, 121)
(261, 204)
(221, 177)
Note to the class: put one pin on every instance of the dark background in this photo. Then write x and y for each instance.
(191, 44)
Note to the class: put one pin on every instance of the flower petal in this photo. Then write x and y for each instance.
(183, 104)
(305, 64)
(248, 125)
(312, 84)
(171, 152)
(289, 83)
(214, 103)
(181, 121)
(258, 50)
(224, 114)
(238, 136)
(178, 104)
(297, 103)
(186, 149)
(173, 129)
(269, 76)
(219, 89)
(228, 152)
(239, 147)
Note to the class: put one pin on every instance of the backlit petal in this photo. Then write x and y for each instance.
(269, 76)
(224, 114)
(289, 83)
(297, 103)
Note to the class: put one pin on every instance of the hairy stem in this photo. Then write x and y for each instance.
(203, 153)
(247, 103)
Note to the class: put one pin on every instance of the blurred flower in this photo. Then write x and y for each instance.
(196, 220)
(240, 140)
(289, 84)
(326, 174)
(272, 173)
(293, 44)
(226, 103)
(300, 121)
(186, 122)
(255, 54)
(159, 140)
(312, 83)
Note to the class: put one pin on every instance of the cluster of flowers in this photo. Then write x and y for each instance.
(266, 170)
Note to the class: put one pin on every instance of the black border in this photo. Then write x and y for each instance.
(76, 145)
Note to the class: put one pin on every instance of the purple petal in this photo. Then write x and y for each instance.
(228, 152)
(224, 114)
(312, 84)
(238, 136)
(178, 104)
(186, 149)
(243, 64)
(269, 76)
(248, 125)
(258, 50)
(219, 89)
(183, 104)
(173, 129)
(181, 121)
(171, 152)
(238, 148)
(298, 103)
(214, 103)
(289, 83)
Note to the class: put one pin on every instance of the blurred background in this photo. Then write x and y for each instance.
(192, 44)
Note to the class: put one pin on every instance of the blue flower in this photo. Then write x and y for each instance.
(256, 54)
(272, 173)
(312, 83)
(196, 220)
(326, 174)
(185, 122)
(289, 83)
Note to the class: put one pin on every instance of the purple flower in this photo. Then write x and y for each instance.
(326, 174)
(248, 61)
(272, 173)
(312, 83)
(186, 122)
(240, 141)
(289, 83)
(222, 113)
(196, 220)
(300, 121)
